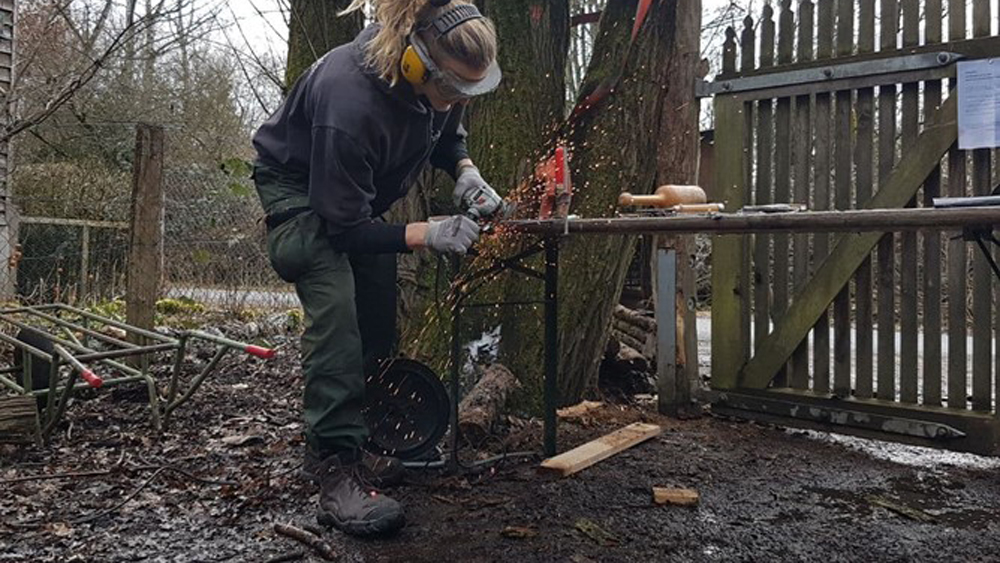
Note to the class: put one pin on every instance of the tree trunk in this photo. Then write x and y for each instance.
(508, 128)
(614, 148)
(677, 163)
(313, 29)
(507, 132)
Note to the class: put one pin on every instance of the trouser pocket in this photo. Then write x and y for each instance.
(291, 246)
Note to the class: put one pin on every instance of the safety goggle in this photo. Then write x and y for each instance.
(451, 86)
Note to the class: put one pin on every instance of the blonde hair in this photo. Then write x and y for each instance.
(473, 43)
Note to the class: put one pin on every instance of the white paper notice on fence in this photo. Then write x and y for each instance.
(978, 99)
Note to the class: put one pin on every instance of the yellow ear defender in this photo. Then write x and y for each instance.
(416, 59)
(413, 66)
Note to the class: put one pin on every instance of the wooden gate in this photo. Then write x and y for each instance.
(864, 333)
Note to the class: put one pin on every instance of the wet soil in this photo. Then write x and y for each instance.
(211, 487)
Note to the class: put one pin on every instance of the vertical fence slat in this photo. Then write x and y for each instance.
(728, 275)
(908, 241)
(782, 172)
(821, 195)
(763, 191)
(803, 151)
(886, 247)
(747, 60)
(843, 169)
(957, 250)
(982, 307)
(864, 161)
(932, 241)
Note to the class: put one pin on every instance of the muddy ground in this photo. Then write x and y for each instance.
(211, 487)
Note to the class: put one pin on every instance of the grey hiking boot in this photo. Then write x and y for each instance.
(348, 504)
(382, 471)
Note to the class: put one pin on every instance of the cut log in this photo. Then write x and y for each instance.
(18, 420)
(635, 318)
(678, 497)
(600, 449)
(629, 341)
(484, 404)
(635, 331)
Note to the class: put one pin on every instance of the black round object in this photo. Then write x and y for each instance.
(406, 409)
(39, 367)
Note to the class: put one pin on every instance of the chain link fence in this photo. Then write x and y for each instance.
(214, 241)
(69, 220)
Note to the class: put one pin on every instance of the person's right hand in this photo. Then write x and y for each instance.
(452, 235)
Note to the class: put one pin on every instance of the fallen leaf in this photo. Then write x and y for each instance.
(244, 440)
(61, 529)
(593, 531)
(518, 532)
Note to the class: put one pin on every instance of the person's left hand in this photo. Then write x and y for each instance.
(474, 196)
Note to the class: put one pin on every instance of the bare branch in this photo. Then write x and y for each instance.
(72, 86)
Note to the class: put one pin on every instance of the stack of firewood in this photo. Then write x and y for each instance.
(635, 330)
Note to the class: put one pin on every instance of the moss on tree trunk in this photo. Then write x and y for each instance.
(508, 129)
(614, 148)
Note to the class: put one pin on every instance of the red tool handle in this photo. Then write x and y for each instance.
(92, 379)
(560, 169)
(260, 352)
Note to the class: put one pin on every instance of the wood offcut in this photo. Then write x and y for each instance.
(676, 497)
(600, 449)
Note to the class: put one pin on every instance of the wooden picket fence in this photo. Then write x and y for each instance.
(818, 108)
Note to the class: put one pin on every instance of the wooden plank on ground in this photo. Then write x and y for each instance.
(595, 451)
(851, 249)
(932, 241)
(676, 497)
(864, 162)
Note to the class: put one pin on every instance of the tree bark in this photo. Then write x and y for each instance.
(677, 163)
(615, 147)
(313, 29)
(508, 130)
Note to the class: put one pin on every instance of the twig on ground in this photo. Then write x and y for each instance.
(27, 478)
(314, 529)
(110, 471)
(132, 495)
(324, 549)
(290, 556)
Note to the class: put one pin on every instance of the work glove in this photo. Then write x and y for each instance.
(474, 196)
(452, 235)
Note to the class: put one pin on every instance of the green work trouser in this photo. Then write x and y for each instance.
(349, 303)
